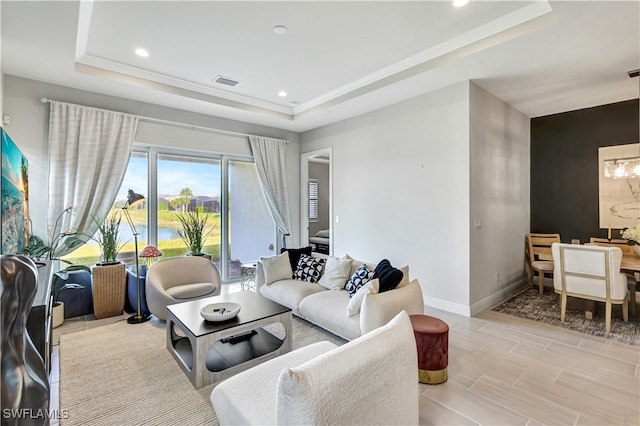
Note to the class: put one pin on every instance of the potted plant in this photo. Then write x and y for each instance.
(37, 250)
(194, 231)
(108, 275)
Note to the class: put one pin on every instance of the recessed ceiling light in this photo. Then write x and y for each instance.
(460, 3)
(142, 52)
(280, 29)
(282, 94)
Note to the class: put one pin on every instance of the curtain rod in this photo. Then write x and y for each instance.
(178, 124)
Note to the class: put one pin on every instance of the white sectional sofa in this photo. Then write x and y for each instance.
(328, 308)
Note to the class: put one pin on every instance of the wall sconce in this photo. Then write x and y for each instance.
(622, 168)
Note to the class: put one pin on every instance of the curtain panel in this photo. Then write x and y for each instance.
(89, 150)
(270, 157)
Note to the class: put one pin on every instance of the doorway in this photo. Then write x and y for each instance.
(316, 209)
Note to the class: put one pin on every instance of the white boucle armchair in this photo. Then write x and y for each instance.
(180, 279)
(372, 380)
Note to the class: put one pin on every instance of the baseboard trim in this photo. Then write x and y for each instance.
(500, 297)
(445, 305)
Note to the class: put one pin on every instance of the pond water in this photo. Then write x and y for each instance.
(127, 236)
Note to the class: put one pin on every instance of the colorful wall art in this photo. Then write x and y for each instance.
(15, 197)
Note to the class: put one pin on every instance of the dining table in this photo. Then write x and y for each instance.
(631, 264)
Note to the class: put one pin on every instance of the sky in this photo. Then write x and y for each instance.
(11, 161)
(173, 176)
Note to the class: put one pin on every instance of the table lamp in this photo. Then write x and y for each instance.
(132, 199)
(149, 254)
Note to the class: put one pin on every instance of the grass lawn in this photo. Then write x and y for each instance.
(89, 254)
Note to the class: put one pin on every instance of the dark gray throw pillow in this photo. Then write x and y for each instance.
(294, 255)
(388, 276)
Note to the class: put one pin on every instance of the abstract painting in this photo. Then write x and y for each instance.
(15, 197)
(619, 199)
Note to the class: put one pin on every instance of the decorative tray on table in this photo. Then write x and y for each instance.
(220, 311)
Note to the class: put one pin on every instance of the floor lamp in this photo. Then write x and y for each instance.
(132, 199)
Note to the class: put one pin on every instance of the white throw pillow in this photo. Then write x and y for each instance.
(405, 276)
(276, 268)
(336, 273)
(355, 303)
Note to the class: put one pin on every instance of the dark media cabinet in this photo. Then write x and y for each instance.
(39, 321)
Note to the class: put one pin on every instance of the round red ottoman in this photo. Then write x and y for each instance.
(432, 340)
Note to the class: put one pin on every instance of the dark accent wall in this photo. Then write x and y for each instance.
(564, 166)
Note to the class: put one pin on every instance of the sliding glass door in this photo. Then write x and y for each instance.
(175, 183)
(187, 184)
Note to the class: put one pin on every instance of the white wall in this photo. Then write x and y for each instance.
(500, 182)
(401, 190)
(29, 130)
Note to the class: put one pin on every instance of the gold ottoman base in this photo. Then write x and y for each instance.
(432, 377)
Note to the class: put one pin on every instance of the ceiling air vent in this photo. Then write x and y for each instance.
(226, 81)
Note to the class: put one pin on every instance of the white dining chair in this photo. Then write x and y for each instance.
(592, 273)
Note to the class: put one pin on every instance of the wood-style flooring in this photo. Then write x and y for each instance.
(509, 371)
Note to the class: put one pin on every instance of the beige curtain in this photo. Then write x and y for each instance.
(89, 150)
(270, 157)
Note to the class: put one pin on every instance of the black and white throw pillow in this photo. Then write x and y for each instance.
(294, 255)
(309, 269)
(360, 277)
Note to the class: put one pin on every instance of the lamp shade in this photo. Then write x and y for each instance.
(133, 197)
(150, 251)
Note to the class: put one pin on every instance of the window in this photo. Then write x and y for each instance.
(313, 200)
(227, 188)
(187, 184)
(135, 179)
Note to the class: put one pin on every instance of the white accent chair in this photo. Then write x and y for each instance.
(370, 380)
(590, 272)
(180, 279)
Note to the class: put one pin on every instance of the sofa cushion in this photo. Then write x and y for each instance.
(371, 380)
(359, 278)
(309, 269)
(290, 292)
(355, 302)
(294, 255)
(355, 264)
(234, 405)
(405, 276)
(389, 276)
(191, 291)
(276, 268)
(329, 310)
(336, 273)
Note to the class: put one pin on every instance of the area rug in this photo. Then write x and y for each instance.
(122, 374)
(545, 308)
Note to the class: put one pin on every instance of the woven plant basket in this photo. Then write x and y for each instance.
(109, 289)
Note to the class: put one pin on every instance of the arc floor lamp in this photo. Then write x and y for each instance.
(134, 199)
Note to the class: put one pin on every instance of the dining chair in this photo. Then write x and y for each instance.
(592, 273)
(632, 277)
(616, 242)
(538, 255)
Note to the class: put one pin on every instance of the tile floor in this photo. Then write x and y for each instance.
(505, 370)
